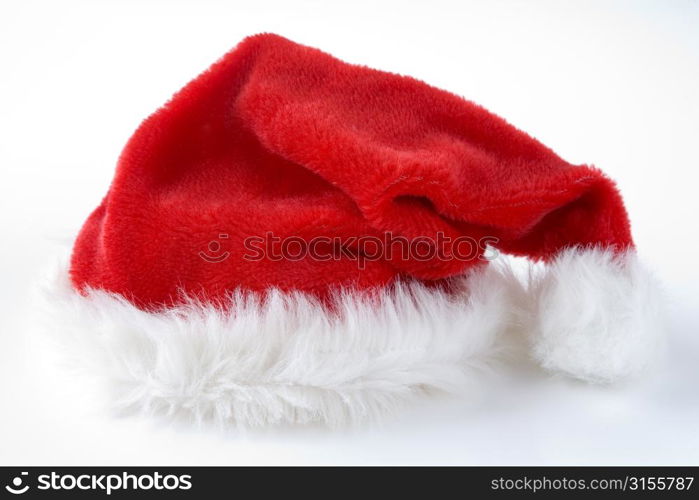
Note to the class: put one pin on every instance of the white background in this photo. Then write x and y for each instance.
(610, 83)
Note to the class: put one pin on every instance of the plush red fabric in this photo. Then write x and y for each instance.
(282, 138)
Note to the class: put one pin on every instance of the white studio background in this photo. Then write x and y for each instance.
(610, 83)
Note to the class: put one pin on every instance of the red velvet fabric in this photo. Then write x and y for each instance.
(282, 138)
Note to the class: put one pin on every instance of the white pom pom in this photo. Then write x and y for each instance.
(597, 315)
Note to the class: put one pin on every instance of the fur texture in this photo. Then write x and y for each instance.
(282, 138)
(596, 315)
(590, 314)
(286, 359)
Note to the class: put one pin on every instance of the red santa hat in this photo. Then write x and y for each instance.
(293, 239)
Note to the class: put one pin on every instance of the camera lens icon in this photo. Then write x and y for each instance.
(213, 253)
(16, 488)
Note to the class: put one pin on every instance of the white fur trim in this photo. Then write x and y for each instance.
(287, 360)
(590, 314)
(596, 315)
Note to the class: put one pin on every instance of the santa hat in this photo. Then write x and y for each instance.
(295, 239)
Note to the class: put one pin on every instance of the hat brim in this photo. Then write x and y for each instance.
(287, 358)
(593, 314)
